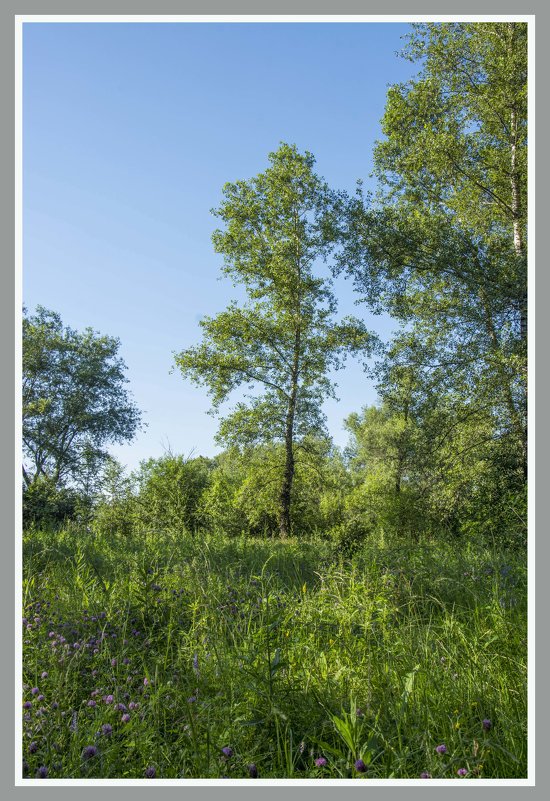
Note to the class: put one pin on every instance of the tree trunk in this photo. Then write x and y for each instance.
(285, 497)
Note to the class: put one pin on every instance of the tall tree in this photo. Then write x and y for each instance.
(74, 400)
(445, 250)
(284, 340)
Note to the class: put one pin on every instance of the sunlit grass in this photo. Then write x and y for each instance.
(161, 652)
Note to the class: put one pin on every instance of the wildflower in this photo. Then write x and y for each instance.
(253, 771)
(113, 662)
(35, 691)
(191, 699)
(441, 749)
(196, 664)
(150, 772)
(227, 752)
(321, 762)
(44, 675)
(120, 708)
(33, 748)
(425, 775)
(487, 725)
(106, 729)
(40, 698)
(42, 772)
(145, 681)
(125, 718)
(109, 699)
(89, 752)
(462, 772)
(92, 703)
(360, 766)
(27, 705)
(55, 705)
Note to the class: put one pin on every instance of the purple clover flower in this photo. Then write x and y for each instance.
(44, 675)
(227, 751)
(321, 762)
(106, 729)
(27, 705)
(92, 703)
(89, 752)
(150, 772)
(253, 771)
(462, 772)
(109, 699)
(33, 747)
(42, 772)
(441, 749)
(360, 766)
(125, 718)
(425, 775)
(487, 725)
(35, 691)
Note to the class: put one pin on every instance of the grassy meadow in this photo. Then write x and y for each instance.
(181, 657)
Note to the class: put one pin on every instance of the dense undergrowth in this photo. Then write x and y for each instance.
(180, 657)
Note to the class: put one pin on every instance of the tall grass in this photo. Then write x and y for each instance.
(161, 652)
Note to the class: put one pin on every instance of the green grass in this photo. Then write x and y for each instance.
(284, 652)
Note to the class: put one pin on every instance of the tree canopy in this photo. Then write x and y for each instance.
(74, 400)
(283, 341)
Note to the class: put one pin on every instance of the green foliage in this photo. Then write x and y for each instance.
(169, 492)
(46, 505)
(284, 341)
(74, 401)
(282, 651)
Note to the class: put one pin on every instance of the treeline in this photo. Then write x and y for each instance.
(441, 248)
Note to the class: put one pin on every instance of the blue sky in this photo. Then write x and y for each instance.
(130, 132)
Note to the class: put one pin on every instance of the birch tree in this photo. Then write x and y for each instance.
(282, 342)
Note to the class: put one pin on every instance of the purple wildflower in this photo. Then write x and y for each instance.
(42, 772)
(55, 705)
(120, 707)
(44, 675)
(487, 725)
(360, 766)
(125, 661)
(321, 762)
(125, 718)
(253, 771)
(106, 729)
(40, 698)
(145, 681)
(27, 705)
(150, 772)
(227, 751)
(425, 775)
(462, 772)
(113, 662)
(109, 699)
(35, 691)
(33, 748)
(89, 752)
(441, 749)
(191, 699)
(92, 703)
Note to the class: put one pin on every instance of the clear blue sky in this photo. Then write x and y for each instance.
(129, 133)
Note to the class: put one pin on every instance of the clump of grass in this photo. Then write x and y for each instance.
(211, 657)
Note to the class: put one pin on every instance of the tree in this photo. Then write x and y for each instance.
(74, 400)
(284, 340)
(445, 249)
